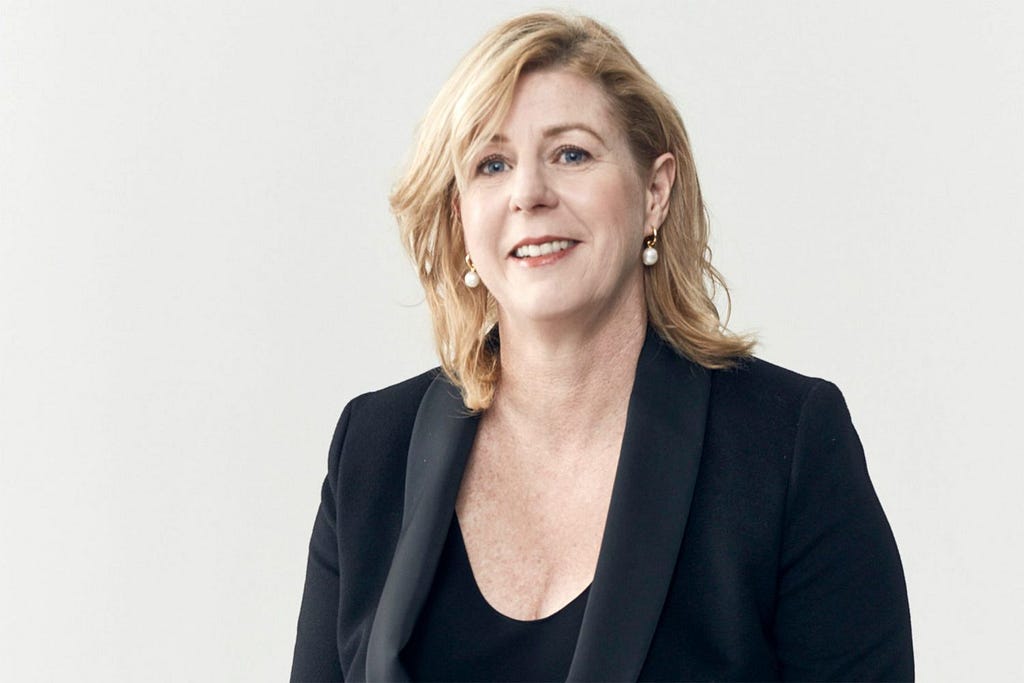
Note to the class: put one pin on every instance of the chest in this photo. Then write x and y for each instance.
(533, 523)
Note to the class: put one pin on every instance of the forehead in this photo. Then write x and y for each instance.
(553, 97)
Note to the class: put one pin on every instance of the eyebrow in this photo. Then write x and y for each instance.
(555, 131)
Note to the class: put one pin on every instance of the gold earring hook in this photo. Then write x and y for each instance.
(652, 239)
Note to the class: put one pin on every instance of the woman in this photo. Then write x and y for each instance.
(603, 483)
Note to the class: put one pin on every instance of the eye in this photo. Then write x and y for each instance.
(492, 165)
(572, 155)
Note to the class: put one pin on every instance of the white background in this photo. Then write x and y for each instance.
(198, 269)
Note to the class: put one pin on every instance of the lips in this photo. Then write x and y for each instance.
(540, 246)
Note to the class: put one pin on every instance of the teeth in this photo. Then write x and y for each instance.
(542, 249)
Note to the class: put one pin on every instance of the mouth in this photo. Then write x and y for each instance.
(539, 247)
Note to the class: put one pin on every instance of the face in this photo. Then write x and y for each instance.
(554, 210)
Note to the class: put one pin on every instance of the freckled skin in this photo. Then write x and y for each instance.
(534, 497)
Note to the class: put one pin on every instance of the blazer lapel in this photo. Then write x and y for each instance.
(442, 437)
(647, 515)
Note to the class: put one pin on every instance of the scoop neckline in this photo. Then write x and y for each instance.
(464, 552)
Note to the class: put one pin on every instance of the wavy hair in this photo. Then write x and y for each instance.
(679, 290)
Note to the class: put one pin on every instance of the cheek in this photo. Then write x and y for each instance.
(478, 245)
(479, 224)
(618, 207)
(471, 227)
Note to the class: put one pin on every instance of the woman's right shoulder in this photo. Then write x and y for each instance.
(380, 422)
(400, 398)
(363, 492)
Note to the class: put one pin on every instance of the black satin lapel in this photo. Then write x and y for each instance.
(649, 506)
(442, 437)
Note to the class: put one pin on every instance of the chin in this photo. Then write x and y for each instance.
(545, 313)
(550, 307)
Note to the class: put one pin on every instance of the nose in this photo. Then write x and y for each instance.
(531, 189)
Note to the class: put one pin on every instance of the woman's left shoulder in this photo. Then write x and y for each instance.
(756, 390)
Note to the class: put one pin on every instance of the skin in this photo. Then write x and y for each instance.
(533, 501)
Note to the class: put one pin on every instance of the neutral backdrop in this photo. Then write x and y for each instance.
(198, 270)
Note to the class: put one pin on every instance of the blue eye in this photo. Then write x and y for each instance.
(573, 155)
(492, 166)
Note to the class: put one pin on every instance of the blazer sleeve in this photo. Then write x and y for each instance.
(316, 643)
(842, 610)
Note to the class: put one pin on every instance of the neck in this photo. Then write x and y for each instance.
(565, 382)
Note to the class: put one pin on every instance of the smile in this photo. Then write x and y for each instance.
(542, 249)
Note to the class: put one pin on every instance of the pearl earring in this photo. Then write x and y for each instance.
(650, 255)
(471, 278)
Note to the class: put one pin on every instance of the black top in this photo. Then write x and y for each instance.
(460, 637)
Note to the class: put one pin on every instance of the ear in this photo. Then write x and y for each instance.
(659, 188)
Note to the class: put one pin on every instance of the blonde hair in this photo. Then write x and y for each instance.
(679, 290)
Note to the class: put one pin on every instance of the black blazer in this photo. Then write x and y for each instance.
(744, 540)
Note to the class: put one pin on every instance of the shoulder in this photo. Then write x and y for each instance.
(755, 383)
(395, 401)
(758, 377)
(383, 417)
(762, 398)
